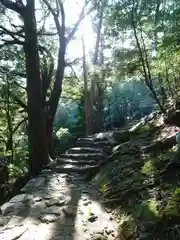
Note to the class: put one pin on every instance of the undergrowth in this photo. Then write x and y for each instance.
(146, 203)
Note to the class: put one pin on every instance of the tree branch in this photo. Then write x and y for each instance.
(6, 31)
(19, 101)
(11, 34)
(19, 124)
(10, 42)
(81, 17)
(13, 6)
(75, 61)
(60, 28)
(19, 85)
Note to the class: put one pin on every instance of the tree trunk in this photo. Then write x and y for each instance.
(9, 145)
(162, 90)
(144, 60)
(87, 96)
(49, 132)
(56, 93)
(36, 119)
(100, 94)
(100, 106)
(97, 91)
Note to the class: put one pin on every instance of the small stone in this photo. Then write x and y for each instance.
(3, 221)
(112, 234)
(47, 197)
(108, 231)
(93, 218)
(108, 210)
(47, 218)
(37, 199)
(87, 203)
(98, 236)
(70, 210)
(57, 202)
(52, 210)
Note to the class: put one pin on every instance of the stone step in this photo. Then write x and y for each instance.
(93, 143)
(75, 162)
(89, 139)
(68, 168)
(85, 150)
(84, 156)
(93, 139)
(105, 148)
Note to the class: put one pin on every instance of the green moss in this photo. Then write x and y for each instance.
(146, 210)
(153, 206)
(126, 228)
(173, 206)
(148, 168)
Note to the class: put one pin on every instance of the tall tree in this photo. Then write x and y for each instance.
(64, 40)
(96, 88)
(87, 96)
(36, 120)
(47, 82)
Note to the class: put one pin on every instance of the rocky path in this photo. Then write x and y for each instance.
(59, 203)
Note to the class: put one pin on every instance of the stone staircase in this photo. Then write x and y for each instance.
(58, 204)
(84, 158)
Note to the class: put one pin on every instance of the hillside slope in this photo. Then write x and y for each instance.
(138, 186)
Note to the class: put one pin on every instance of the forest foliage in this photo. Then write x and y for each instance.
(47, 96)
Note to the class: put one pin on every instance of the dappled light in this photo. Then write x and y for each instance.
(89, 120)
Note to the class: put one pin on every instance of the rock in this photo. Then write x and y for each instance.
(34, 184)
(13, 208)
(85, 199)
(121, 136)
(4, 220)
(113, 235)
(37, 199)
(70, 210)
(47, 218)
(98, 236)
(108, 231)
(92, 218)
(52, 210)
(26, 198)
(108, 210)
(57, 202)
(87, 203)
(47, 197)
(85, 229)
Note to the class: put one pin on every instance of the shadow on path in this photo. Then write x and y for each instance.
(53, 207)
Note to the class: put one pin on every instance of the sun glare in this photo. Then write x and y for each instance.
(73, 8)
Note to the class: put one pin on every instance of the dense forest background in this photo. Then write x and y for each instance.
(49, 96)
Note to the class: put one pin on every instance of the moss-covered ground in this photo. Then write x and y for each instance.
(145, 201)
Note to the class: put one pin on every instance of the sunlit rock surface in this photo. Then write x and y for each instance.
(60, 205)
